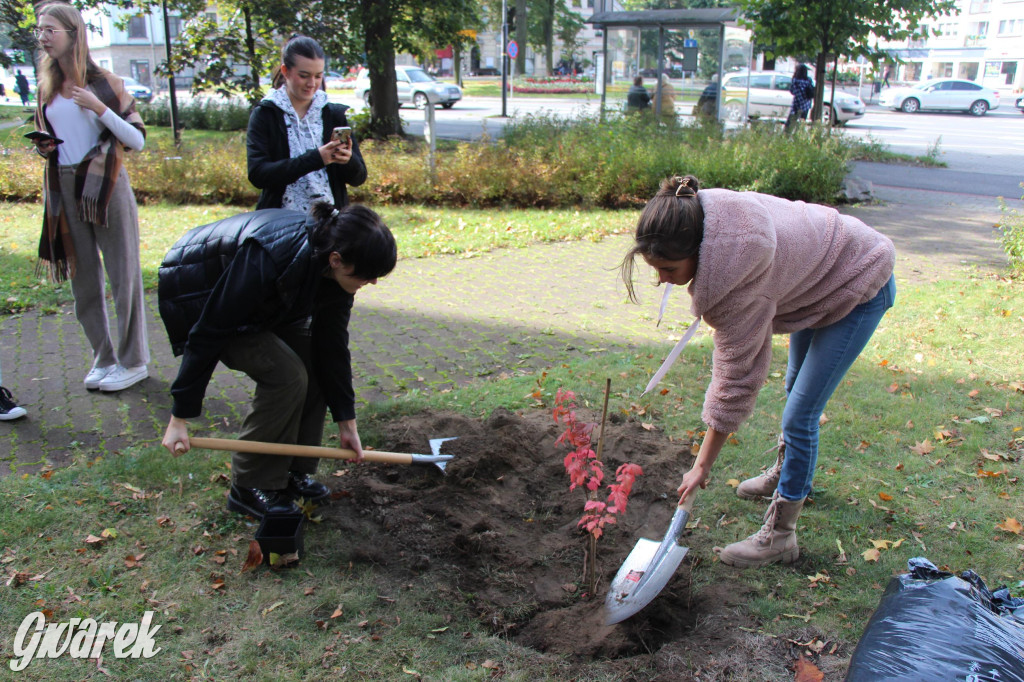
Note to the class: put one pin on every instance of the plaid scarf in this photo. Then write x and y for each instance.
(94, 179)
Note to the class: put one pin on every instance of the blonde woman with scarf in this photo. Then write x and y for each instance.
(292, 158)
(90, 220)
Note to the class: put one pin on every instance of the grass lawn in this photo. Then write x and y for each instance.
(920, 455)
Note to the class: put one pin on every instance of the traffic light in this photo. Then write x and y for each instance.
(510, 19)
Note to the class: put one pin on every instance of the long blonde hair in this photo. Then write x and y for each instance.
(84, 69)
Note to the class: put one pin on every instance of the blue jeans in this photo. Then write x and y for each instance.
(818, 361)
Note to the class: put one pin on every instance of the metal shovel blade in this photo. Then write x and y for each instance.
(647, 569)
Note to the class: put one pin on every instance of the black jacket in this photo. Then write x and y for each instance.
(249, 273)
(638, 98)
(271, 168)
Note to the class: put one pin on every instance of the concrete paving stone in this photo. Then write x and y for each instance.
(448, 320)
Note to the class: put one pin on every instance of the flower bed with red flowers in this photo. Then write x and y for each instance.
(551, 86)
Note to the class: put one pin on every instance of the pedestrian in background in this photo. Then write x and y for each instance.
(90, 220)
(22, 87)
(887, 76)
(756, 266)
(638, 99)
(668, 99)
(292, 158)
(803, 96)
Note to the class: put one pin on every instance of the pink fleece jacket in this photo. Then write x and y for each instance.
(771, 266)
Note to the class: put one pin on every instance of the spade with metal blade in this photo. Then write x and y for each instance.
(260, 448)
(647, 569)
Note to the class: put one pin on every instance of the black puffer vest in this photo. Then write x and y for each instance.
(194, 265)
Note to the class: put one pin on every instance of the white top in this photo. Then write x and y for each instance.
(80, 128)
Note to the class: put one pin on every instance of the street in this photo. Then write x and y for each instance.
(990, 147)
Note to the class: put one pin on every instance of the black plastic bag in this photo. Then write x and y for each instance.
(931, 625)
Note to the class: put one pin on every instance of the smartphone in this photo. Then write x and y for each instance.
(42, 136)
(342, 133)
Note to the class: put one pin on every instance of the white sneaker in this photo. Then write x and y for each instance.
(96, 375)
(123, 377)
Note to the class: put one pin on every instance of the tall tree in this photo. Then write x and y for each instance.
(391, 26)
(550, 19)
(825, 29)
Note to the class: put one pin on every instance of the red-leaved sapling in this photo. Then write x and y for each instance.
(586, 471)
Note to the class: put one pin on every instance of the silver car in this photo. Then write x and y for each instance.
(414, 86)
(942, 94)
(770, 98)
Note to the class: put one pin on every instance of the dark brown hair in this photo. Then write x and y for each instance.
(298, 46)
(357, 234)
(670, 227)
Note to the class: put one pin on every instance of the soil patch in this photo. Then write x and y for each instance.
(499, 533)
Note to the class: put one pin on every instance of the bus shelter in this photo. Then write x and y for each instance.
(662, 20)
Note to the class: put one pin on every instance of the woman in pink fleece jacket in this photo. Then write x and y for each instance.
(757, 265)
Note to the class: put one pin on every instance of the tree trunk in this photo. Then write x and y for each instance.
(380, 60)
(457, 63)
(252, 87)
(521, 34)
(819, 84)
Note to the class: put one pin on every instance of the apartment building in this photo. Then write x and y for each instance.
(983, 42)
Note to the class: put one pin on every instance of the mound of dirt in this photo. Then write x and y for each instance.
(500, 531)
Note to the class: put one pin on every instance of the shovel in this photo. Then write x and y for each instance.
(647, 569)
(259, 448)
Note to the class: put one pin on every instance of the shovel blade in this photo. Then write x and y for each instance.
(640, 579)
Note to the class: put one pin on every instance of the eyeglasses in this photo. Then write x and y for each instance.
(48, 32)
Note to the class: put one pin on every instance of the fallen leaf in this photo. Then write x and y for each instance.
(92, 539)
(733, 482)
(254, 558)
(648, 426)
(923, 448)
(217, 584)
(338, 613)
(489, 664)
(885, 497)
(807, 671)
(871, 554)
(881, 544)
(270, 608)
(1011, 525)
(309, 591)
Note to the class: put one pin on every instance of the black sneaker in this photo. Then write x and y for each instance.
(306, 487)
(259, 503)
(8, 408)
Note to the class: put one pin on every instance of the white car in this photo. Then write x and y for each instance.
(140, 92)
(415, 86)
(942, 94)
(770, 98)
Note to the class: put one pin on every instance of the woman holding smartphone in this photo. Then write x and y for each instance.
(85, 121)
(294, 158)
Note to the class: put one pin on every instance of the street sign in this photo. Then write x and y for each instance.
(513, 49)
(689, 42)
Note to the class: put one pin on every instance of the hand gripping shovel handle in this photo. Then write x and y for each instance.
(259, 448)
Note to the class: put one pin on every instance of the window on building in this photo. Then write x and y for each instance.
(139, 69)
(137, 27)
(1011, 27)
(211, 17)
(1009, 72)
(174, 26)
(982, 29)
(978, 6)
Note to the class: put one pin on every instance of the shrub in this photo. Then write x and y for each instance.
(1012, 228)
(198, 113)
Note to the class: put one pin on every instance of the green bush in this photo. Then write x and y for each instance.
(198, 113)
(1012, 229)
(541, 161)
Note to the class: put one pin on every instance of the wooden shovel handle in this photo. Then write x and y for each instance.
(260, 448)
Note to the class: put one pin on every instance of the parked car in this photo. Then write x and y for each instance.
(942, 94)
(335, 80)
(1020, 104)
(415, 86)
(487, 71)
(140, 92)
(770, 98)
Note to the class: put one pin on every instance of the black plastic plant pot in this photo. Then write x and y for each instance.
(281, 534)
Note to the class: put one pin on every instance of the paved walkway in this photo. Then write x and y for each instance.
(434, 324)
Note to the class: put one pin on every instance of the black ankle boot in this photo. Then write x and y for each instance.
(259, 503)
(306, 487)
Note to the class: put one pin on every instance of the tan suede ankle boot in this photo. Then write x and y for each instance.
(764, 485)
(774, 543)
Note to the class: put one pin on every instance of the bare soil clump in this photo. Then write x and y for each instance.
(498, 533)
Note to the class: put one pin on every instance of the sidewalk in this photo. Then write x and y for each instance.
(434, 324)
